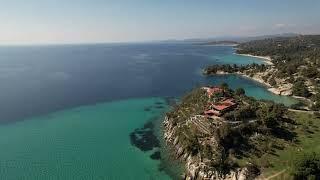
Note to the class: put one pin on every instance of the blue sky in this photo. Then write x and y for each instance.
(81, 21)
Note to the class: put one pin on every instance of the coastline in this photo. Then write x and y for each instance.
(229, 45)
(251, 78)
(271, 89)
(266, 59)
(168, 163)
(204, 156)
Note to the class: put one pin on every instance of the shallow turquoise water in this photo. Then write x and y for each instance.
(90, 142)
(236, 59)
(252, 88)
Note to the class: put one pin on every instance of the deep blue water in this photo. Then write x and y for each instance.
(37, 80)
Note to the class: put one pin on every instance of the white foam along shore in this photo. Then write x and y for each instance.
(266, 59)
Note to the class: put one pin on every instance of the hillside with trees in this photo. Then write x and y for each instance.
(295, 58)
(217, 145)
(256, 138)
(295, 69)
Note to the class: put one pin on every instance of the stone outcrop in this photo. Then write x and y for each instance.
(196, 167)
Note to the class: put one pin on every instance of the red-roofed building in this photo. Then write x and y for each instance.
(218, 109)
(225, 105)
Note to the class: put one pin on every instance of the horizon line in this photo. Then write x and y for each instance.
(147, 41)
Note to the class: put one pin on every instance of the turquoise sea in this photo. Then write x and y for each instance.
(89, 142)
(73, 112)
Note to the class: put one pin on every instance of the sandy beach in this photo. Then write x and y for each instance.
(266, 59)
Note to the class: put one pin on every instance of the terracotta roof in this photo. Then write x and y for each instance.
(220, 107)
(223, 105)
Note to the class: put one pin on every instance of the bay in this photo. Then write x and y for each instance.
(67, 111)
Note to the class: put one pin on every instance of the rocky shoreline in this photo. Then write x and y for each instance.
(214, 129)
(284, 89)
(196, 167)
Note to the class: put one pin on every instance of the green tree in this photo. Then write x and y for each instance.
(224, 86)
(300, 89)
(310, 72)
(240, 92)
(224, 131)
(271, 113)
(307, 167)
(221, 163)
(272, 81)
(192, 144)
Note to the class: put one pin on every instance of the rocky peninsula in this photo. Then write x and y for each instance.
(213, 128)
(219, 133)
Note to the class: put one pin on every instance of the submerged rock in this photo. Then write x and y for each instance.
(144, 138)
(156, 155)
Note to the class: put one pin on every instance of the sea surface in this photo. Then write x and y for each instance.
(74, 111)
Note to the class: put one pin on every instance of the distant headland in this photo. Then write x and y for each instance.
(218, 43)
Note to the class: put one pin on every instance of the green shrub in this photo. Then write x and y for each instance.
(307, 166)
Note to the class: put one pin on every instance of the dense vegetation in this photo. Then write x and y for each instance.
(219, 43)
(294, 57)
(300, 89)
(307, 166)
(253, 128)
(296, 62)
(293, 159)
(213, 69)
(290, 55)
(191, 104)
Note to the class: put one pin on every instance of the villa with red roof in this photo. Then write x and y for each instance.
(219, 108)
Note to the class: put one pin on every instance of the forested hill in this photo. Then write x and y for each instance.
(300, 54)
(296, 61)
(219, 43)
(282, 45)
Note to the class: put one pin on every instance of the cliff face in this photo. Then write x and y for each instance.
(196, 167)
